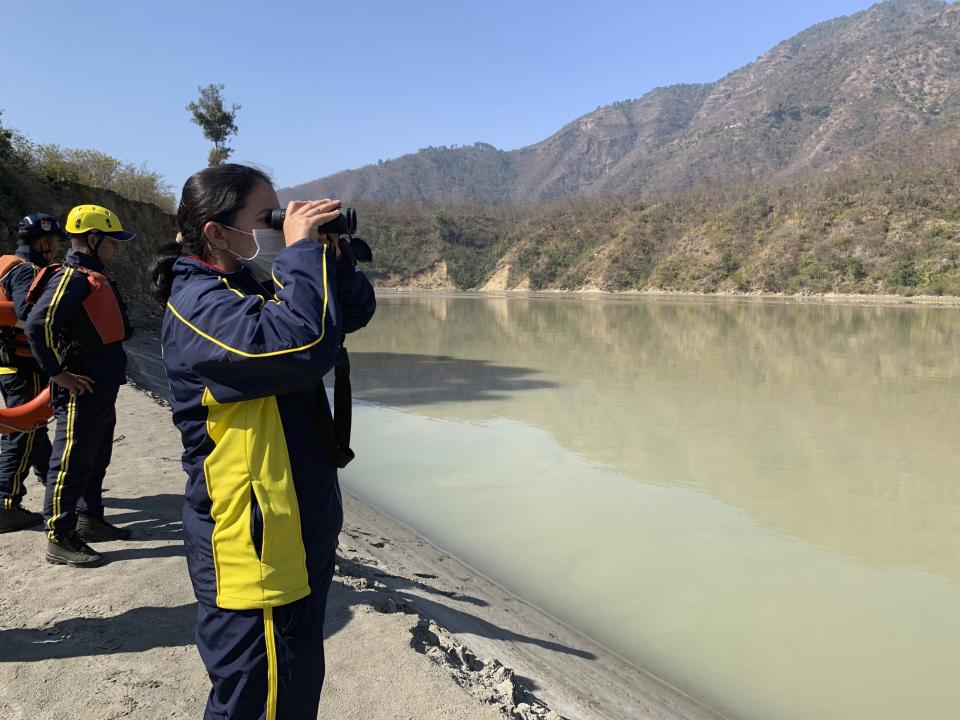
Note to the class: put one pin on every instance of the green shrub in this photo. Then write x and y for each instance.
(906, 274)
(941, 230)
(855, 268)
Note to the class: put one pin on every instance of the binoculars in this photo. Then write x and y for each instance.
(343, 224)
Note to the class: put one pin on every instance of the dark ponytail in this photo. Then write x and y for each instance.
(214, 194)
(161, 271)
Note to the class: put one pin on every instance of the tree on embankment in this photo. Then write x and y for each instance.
(215, 120)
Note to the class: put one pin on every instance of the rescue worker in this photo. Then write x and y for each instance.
(76, 329)
(21, 379)
(254, 319)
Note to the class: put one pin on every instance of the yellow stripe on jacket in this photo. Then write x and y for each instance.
(52, 311)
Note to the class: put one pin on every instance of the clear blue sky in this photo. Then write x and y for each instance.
(326, 87)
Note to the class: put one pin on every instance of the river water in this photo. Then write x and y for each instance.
(758, 502)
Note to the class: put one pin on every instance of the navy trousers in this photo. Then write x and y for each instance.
(19, 451)
(265, 664)
(82, 448)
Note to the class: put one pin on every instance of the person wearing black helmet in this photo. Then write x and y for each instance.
(21, 379)
(76, 330)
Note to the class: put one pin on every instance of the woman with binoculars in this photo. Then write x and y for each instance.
(254, 320)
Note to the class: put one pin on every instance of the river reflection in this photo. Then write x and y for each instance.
(796, 462)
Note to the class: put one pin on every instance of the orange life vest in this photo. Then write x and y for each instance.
(37, 411)
(101, 306)
(7, 263)
(11, 337)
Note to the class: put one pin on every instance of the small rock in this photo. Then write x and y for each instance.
(387, 605)
(508, 691)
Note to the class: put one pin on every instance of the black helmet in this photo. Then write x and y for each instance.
(38, 225)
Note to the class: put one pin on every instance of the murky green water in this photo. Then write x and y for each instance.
(758, 502)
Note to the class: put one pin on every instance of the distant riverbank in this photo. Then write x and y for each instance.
(830, 298)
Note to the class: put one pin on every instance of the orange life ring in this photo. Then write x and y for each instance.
(31, 414)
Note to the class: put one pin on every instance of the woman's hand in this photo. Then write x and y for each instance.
(305, 216)
(78, 384)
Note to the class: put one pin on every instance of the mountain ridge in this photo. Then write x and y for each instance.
(808, 103)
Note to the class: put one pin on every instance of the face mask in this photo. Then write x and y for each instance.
(269, 244)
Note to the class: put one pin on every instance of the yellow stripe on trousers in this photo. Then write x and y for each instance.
(64, 464)
(271, 664)
(24, 466)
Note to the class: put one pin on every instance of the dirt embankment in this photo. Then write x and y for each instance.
(24, 193)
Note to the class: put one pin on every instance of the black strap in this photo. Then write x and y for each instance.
(335, 441)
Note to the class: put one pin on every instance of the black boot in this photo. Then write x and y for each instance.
(95, 530)
(72, 551)
(17, 518)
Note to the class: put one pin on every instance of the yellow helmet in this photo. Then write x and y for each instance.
(88, 218)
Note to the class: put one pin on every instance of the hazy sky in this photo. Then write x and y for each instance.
(329, 87)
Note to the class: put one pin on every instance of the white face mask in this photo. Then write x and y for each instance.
(269, 244)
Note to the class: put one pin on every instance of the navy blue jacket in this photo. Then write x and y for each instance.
(262, 509)
(57, 323)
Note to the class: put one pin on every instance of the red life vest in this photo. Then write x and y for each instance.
(101, 306)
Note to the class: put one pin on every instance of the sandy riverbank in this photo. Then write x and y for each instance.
(411, 632)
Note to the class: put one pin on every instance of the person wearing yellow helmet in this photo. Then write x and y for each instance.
(76, 329)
